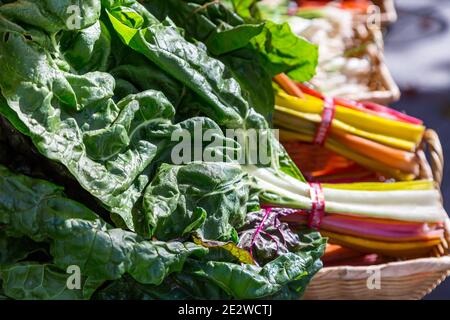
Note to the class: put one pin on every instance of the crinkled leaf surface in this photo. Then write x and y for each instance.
(284, 277)
(31, 281)
(103, 98)
(210, 196)
(15, 249)
(163, 43)
(79, 237)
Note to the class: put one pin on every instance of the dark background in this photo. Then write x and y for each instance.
(417, 49)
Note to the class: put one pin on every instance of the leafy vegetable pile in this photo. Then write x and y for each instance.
(89, 101)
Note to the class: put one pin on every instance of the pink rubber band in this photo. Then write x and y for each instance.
(318, 206)
(329, 110)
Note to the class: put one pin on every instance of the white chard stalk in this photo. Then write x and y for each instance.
(404, 205)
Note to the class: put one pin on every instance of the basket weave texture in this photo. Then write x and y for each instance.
(403, 280)
(383, 88)
(406, 280)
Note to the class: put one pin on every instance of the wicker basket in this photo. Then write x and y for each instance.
(367, 43)
(383, 88)
(404, 280)
(409, 279)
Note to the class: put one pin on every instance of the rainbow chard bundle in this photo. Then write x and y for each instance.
(91, 95)
(376, 137)
(401, 219)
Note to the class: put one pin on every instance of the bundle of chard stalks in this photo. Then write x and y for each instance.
(376, 137)
(397, 220)
(403, 219)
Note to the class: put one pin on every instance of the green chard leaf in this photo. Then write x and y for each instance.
(286, 49)
(79, 237)
(89, 49)
(210, 197)
(31, 281)
(223, 98)
(13, 250)
(112, 147)
(108, 147)
(126, 288)
(284, 277)
(49, 15)
(99, 100)
(224, 31)
(287, 274)
(163, 44)
(227, 39)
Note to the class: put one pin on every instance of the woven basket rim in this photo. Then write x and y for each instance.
(389, 94)
(442, 263)
(393, 269)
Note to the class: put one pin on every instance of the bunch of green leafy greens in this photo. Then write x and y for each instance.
(91, 93)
